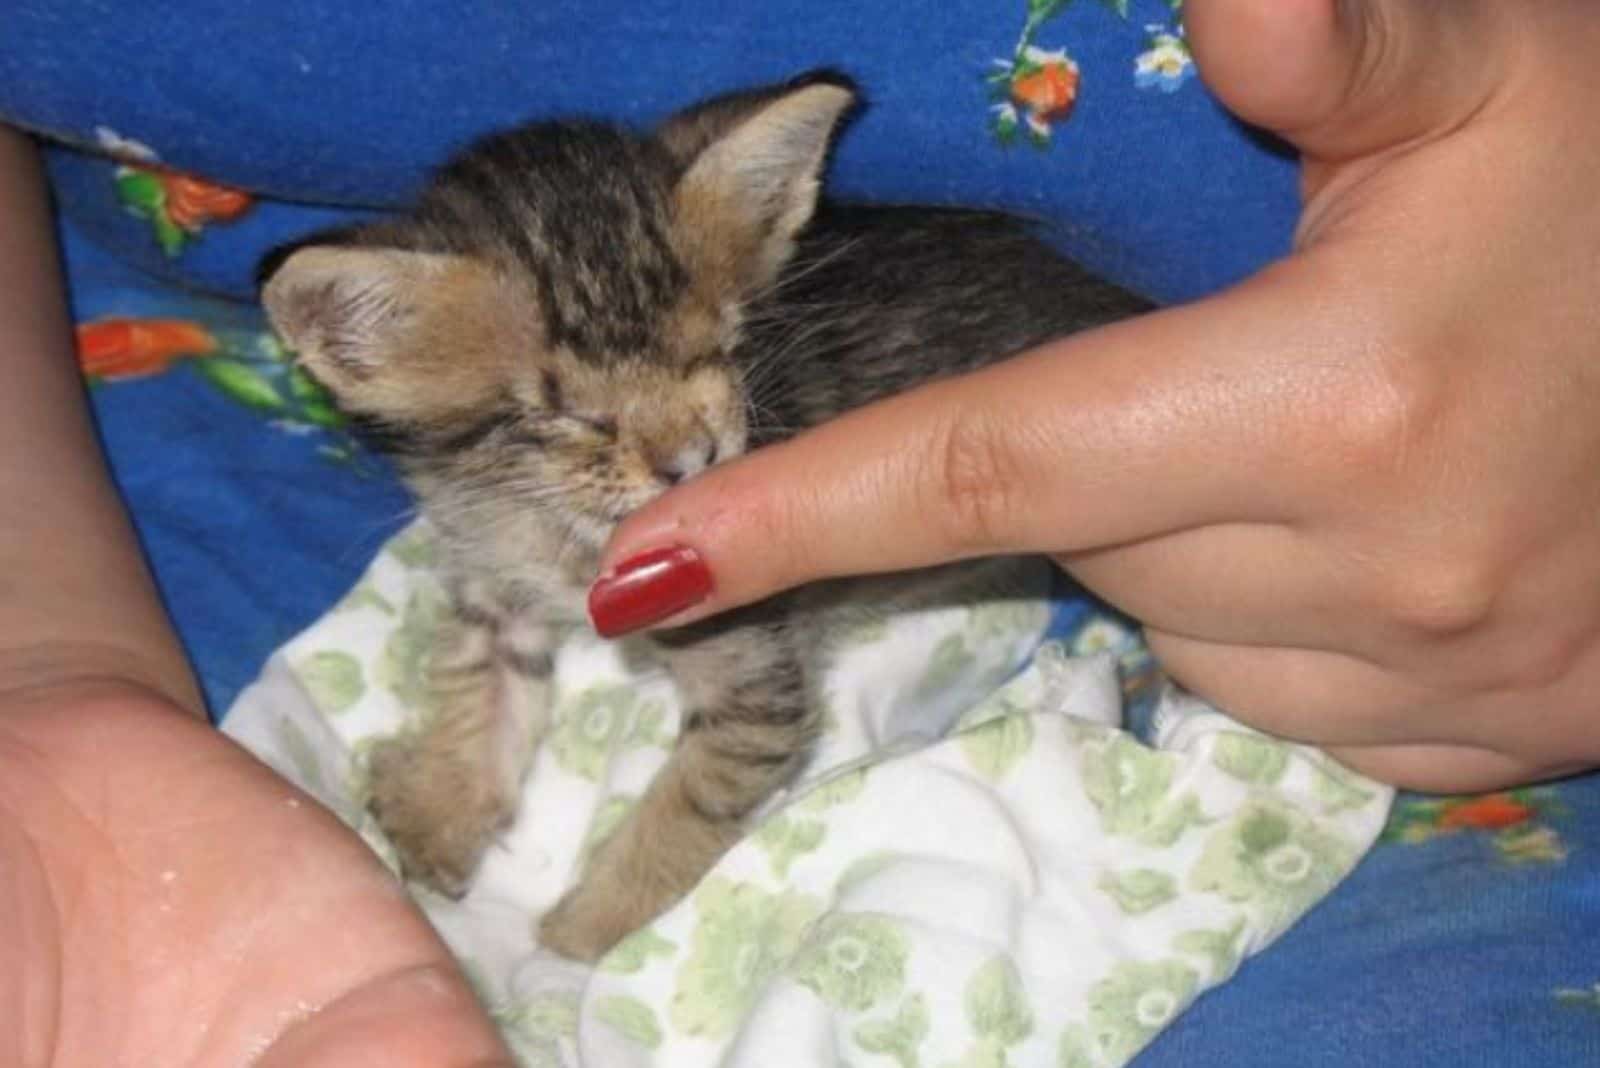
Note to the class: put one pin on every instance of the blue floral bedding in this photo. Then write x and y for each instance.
(191, 138)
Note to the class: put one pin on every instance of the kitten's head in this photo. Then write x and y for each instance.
(546, 337)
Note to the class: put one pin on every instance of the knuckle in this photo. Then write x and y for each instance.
(974, 481)
(1445, 599)
(1373, 433)
(1383, 415)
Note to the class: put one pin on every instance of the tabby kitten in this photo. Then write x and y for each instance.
(575, 317)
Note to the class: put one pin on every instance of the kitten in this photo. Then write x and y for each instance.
(575, 317)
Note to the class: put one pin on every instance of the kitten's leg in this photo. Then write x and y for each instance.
(442, 792)
(748, 729)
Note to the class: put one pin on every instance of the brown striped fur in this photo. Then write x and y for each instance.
(571, 319)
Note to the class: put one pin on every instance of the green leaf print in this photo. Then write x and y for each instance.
(997, 1006)
(1135, 1001)
(785, 837)
(634, 952)
(1137, 892)
(951, 660)
(998, 1011)
(985, 1053)
(1587, 998)
(631, 1018)
(1250, 758)
(140, 192)
(553, 1013)
(303, 755)
(741, 937)
(312, 402)
(871, 628)
(1273, 857)
(171, 238)
(650, 727)
(1131, 785)
(414, 548)
(1220, 948)
(840, 789)
(241, 382)
(589, 726)
(607, 818)
(402, 669)
(993, 748)
(852, 961)
(364, 594)
(898, 1037)
(1337, 788)
(1008, 618)
(1075, 1050)
(333, 679)
(535, 1027)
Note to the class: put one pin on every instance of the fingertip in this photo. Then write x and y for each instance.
(1274, 63)
(708, 545)
(647, 588)
(1346, 78)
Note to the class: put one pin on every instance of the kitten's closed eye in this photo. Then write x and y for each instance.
(554, 399)
(604, 425)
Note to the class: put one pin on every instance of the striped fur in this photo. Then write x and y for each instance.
(571, 319)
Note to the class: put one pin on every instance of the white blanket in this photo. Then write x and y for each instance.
(980, 867)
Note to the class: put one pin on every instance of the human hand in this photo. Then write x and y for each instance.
(170, 901)
(1353, 500)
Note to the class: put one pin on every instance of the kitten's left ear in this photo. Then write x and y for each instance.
(752, 172)
(386, 330)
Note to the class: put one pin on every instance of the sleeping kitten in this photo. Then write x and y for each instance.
(575, 317)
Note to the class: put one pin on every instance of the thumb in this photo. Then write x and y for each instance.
(1346, 78)
(1178, 419)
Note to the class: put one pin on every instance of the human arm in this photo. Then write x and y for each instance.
(77, 605)
(177, 902)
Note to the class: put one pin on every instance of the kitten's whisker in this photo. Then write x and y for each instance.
(793, 275)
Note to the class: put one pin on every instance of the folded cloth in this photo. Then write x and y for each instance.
(979, 866)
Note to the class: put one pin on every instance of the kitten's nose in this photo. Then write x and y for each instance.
(693, 458)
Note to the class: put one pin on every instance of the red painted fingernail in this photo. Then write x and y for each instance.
(648, 588)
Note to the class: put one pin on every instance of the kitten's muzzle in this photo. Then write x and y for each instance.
(686, 462)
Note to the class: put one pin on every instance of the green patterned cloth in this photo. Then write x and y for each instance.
(981, 867)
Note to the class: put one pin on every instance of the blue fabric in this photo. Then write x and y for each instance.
(254, 524)
(1473, 946)
(1468, 938)
(315, 103)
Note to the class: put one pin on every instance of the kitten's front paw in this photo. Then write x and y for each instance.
(438, 808)
(591, 918)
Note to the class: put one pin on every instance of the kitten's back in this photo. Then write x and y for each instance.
(882, 298)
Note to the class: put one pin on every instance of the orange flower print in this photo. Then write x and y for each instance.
(178, 206)
(1049, 90)
(1514, 822)
(191, 203)
(130, 348)
(1038, 90)
(1493, 812)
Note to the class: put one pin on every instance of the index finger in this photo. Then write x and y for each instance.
(1181, 418)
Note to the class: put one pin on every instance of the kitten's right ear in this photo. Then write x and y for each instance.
(752, 168)
(346, 311)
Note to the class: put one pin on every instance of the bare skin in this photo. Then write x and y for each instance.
(178, 903)
(1353, 499)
